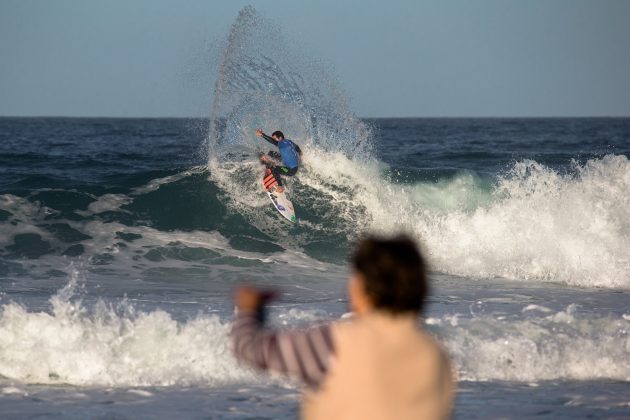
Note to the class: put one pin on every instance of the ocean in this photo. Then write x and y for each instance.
(120, 248)
(121, 241)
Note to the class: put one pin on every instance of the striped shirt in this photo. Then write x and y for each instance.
(300, 353)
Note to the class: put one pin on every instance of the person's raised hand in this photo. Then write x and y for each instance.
(249, 298)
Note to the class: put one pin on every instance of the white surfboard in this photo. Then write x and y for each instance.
(280, 200)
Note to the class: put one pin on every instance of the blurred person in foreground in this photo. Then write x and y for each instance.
(380, 364)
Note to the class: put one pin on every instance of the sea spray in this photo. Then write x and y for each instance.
(264, 81)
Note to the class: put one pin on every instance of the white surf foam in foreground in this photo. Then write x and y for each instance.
(104, 345)
(552, 346)
(108, 346)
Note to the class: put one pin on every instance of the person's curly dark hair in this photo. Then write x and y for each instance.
(394, 273)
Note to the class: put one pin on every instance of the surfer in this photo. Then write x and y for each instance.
(380, 364)
(289, 156)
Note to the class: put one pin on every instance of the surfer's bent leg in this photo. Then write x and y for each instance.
(280, 171)
(277, 171)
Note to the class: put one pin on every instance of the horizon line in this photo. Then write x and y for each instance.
(165, 117)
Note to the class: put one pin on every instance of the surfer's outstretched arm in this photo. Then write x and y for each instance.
(270, 139)
(303, 353)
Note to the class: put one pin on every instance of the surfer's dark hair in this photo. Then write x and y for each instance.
(394, 273)
(278, 134)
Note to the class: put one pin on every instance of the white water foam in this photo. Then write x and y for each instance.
(542, 225)
(535, 224)
(122, 346)
(560, 346)
(25, 216)
(113, 346)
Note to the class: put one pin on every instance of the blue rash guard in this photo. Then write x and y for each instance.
(289, 154)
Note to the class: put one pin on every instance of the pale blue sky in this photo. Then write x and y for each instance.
(393, 58)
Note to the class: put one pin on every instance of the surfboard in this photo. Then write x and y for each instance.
(280, 200)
